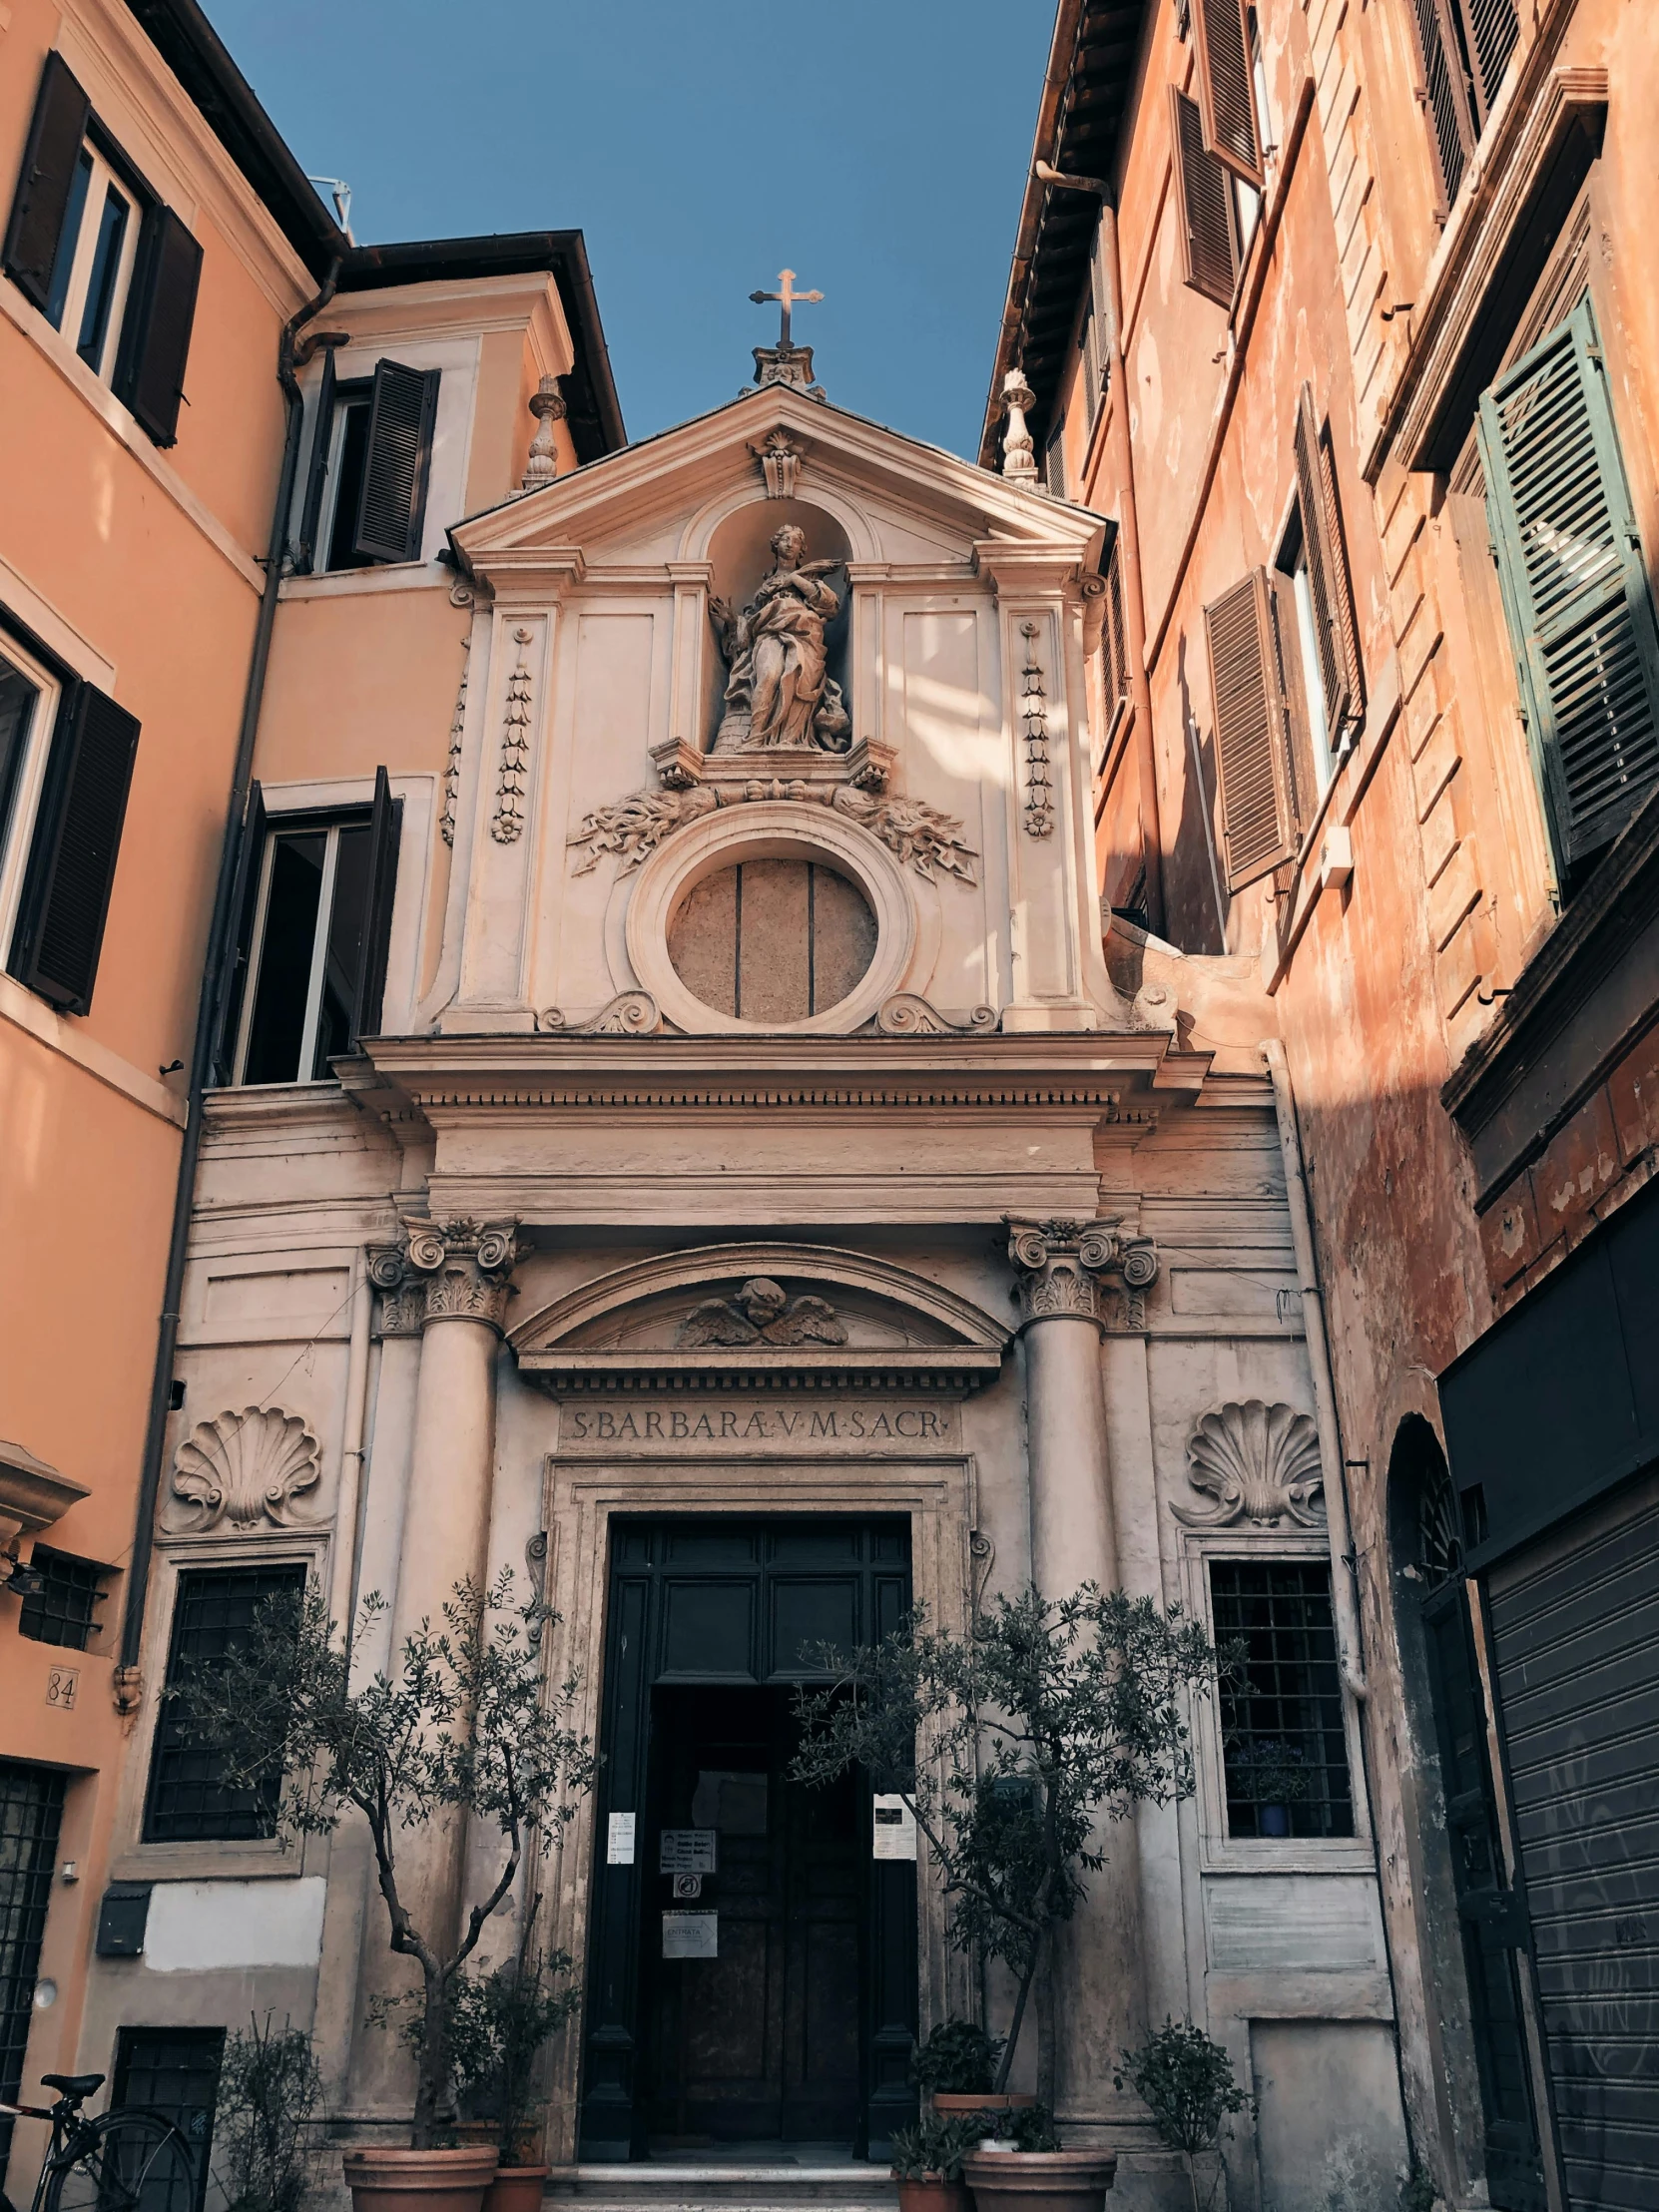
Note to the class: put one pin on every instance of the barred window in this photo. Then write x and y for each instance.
(1284, 1752)
(31, 1809)
(174, 2071)
(65, 1610)
(190, 1801)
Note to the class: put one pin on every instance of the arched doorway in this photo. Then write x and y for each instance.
(1448, 1705)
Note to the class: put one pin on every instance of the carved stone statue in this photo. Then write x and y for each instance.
(780, 692)
(762, 1312)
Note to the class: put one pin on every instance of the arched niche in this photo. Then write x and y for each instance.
(739, 554)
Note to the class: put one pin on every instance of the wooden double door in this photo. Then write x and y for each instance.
(791, 2020)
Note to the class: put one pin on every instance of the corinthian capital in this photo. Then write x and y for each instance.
(1059, 1264)
(464, 1267)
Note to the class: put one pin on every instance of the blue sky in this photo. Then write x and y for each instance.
(876, 147)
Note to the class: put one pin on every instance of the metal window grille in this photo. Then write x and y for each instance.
(30, 1808)
(173, 2071)
(1283, 1753)
(190, 1801)
(66, 1611)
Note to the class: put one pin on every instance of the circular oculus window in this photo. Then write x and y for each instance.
(773, 940)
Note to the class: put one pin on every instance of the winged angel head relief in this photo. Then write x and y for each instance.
(762, 1312)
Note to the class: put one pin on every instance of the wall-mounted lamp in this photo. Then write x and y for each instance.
(21, 1582)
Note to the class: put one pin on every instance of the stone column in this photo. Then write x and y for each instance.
(1099, 1995)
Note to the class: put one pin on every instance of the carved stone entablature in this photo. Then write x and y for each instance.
(464, 1269)
(761, 1311)
(1059, 1264)
(1255, 1462)
(244, 1471)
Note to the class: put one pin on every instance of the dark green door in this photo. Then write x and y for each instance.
(794, 2024)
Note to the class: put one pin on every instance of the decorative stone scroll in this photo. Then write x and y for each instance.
(1059, 1262)
(1255, 1462)
(632, 829)
(761, 1311)
(629, 1014)
(907, 1014)
(244, 1471)
(514, 774)
(779, 458)
(1039, 793)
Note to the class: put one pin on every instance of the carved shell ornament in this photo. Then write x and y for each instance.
(1255, 1462)
(246, 1470)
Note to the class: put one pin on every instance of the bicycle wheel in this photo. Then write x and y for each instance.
(127, 2161)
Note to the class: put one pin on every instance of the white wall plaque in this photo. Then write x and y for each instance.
(691, 1934)
(896, 1829)
(687, 1851)
(619, 1839)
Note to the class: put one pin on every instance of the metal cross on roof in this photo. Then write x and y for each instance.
(787, 297)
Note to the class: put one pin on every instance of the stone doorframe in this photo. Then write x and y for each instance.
(936, 1489)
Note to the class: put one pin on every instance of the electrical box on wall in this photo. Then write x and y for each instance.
(121, 1920)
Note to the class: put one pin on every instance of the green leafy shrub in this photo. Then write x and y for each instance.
(935, 2148)
(1187, 2083)
(959, 2058)
(268, 2087)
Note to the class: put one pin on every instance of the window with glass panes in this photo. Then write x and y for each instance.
(190, 1801)
(1284, 1748)
(31, 1810)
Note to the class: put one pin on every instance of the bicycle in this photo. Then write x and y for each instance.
(125, 2161)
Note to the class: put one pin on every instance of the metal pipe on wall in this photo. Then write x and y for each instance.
(342, 1579)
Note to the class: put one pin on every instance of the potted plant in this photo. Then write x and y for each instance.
(1187, 2083)
(268, 2084)
(927, 2164)
(500, 2024)
(1272, 1775)
(956, 2067)
(1022, 2168)
(1008, 1744)
(463, 1729)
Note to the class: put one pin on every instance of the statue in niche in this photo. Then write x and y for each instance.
(779, 693)
(763, 1312)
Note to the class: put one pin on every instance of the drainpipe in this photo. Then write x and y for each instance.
(220, 950)
(342, 1592)
(1345, 1601)
(1129, 530)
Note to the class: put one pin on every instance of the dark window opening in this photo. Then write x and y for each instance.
(173, 2071)
(18, 697)
(190, 1801)
(350, 433)
(1283, 1751)
(65, 1610)
(30, 1811)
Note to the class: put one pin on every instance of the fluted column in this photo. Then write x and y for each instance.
(1098, 1986)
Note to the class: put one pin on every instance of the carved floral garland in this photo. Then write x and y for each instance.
(917, 835)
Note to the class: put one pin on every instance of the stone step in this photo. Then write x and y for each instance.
(690, 2187)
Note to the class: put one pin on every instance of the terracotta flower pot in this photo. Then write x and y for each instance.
(418, 2180)
(1039, 2181)
(930, 2193)
(948, 2102)
(518, 2189)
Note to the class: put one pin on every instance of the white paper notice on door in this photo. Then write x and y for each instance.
(896, 1829)
(691, 1934)
(687, 1851)
(619, 1839)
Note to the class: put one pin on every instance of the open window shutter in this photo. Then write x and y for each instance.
(1258, 812)
(155, 346)
(392, 505)
(66, 891)
(1327, 579)
(1227, 96)
(1116, 641)
(1100, 294)
(1444, 96)
(316, 473)
(386, 828)
(1203, 212)
(1575, 587)
(1492, 32)
(54, 147)
(245, 895)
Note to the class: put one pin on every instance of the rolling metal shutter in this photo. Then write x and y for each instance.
(1575, 1644)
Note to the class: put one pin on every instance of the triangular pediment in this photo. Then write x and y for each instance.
(901, 501)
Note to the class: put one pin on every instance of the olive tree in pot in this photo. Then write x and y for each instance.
(462, 1727)
(1010, 1744)
(501, 2023)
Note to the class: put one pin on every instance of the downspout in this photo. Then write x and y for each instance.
(219, 948)
(1343, 1568)
(1129, 533)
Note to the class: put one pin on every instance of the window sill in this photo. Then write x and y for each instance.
(208, 1861)
(63, 1033)
(1342, 1855)
(347, 583)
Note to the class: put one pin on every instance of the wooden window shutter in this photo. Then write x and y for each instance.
(1100, 294)
(1203, 207)
(392, 504)
(1226, 92)
(1115, 640)
(1327, 577)
(150, 375)
(385, 830)
(1444, 96)
(1258, 810)
(43, 186)
(1574, 584)
(1054, 462)
(65, 890)
(244, 898)
(316, 469)
(1491, 31)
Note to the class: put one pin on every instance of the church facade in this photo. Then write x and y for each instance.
(681, 1142)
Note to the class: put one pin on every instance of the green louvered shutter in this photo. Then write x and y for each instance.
(1575, 587)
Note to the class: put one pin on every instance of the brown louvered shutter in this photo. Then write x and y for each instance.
(1328, 578)
(155, 344)
(65, 890)
(1115, 640)
(392, 505)
(43, 186)
(386, 828)
(1203, 206)
(1226, 94)
(1444, 96)
(1575, 587)
(1491, 30)
(1258, 812)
